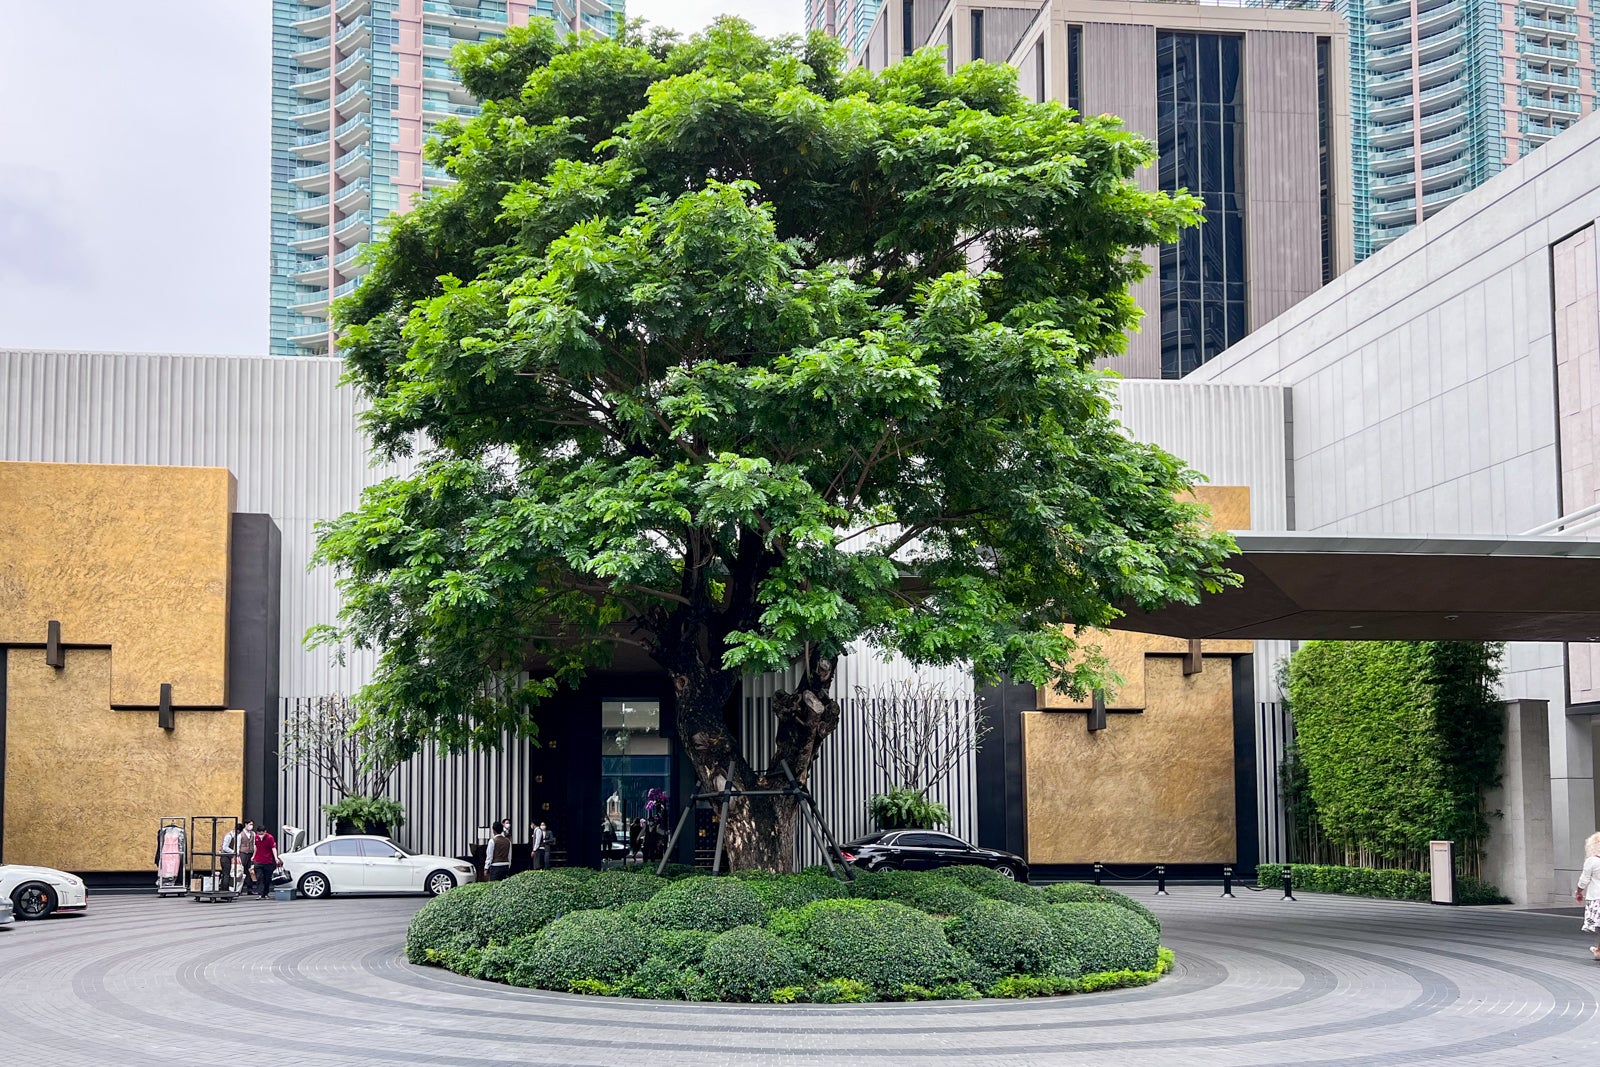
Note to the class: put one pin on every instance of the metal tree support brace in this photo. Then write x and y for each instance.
(794, 788)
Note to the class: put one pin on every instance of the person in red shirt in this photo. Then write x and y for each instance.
(265, 859)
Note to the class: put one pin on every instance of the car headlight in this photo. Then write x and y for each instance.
(464, 870)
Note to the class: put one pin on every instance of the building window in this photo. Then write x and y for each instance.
(1039, 92)
(977, 34)
(1075, 68)
(908, 41)
(1325, 155)
(1203, 278)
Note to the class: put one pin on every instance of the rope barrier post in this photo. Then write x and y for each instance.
(1227, 882)
(1097, 870)
(1161, 880)
(1288, 883)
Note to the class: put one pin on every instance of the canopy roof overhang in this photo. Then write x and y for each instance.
(1362, 588)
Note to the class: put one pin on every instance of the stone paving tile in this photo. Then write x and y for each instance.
(1322, 981)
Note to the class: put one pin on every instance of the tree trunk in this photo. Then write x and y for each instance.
(760, 832)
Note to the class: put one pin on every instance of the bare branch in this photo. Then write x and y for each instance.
(919, 732)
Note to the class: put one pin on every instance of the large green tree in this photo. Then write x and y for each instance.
(720, 352)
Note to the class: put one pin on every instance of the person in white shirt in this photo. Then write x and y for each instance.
(1590, 878)
(230, 855)
(497, 858)
(536, 843)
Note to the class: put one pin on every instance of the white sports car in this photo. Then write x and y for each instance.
(36, 892)
(355, 863)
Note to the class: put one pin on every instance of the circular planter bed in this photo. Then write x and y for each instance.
(958, 933)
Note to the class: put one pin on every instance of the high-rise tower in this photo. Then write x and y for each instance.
(357, 86)
(1447, 92)
(1246, 102)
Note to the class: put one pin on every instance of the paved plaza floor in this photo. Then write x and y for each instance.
(1259, 980)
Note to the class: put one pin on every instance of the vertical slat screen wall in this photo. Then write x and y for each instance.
(845, 776)
(446, 797)
(1274, 732)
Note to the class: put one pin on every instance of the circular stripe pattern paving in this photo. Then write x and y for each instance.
(1325, 981)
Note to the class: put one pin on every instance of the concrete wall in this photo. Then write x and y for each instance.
(1424, 397)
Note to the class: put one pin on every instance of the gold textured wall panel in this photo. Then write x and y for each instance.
(1153, 787)
(1125, 651)
(131, 557)
(1229, 504)
(85, 784)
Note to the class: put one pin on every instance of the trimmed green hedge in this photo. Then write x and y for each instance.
(1007, 939)
(703, 903)
(599, 946)
(748, 963)
(952, 934)
(1104, 937)
(1367, 882)
(884, 945)
(1085, 893)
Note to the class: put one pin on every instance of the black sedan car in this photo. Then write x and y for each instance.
(923, 850)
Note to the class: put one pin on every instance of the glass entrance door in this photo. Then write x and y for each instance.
(635, 760)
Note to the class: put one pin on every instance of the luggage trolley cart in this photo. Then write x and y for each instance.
(172, 856)
(210, 871)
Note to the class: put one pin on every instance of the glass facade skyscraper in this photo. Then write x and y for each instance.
(848, 20)
(1445, 93)
(357, 86)
(1246, 102)
(1199, 92)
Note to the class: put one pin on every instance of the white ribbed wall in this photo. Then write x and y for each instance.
(281, 425)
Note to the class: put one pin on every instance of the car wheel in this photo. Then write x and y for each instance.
(34, 900)
(314, 886)
(439, 882)
(1005, 870)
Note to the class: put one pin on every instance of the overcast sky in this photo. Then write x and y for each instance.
(134, 164)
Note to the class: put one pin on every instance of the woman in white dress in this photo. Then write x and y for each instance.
(1590, 877)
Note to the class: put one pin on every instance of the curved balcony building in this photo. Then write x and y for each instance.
(356, 86)
(1445, 93)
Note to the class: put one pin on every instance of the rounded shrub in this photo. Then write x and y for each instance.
(585, 946)
(681, 948)
(447, 925)
(613, 889)
(1084, 893)
(748, 963)
(1008, 939)
(937, 896)
(1104, 937)
(658, 979)
(525, 903)
(702, 903)
(880, 943)
(781, 892)
(992, 884)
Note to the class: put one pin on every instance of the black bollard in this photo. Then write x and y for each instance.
(1097, 874)
(1161, 880)
(1227, 881)
(1288, 883)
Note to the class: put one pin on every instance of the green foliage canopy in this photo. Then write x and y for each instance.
(720, 352)
(1397, 740)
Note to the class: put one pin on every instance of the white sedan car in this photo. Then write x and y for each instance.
(352, 863)
(36, 892)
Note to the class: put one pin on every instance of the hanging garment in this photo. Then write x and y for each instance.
(169, 854)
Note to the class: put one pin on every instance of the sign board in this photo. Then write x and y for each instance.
(1442, 860)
